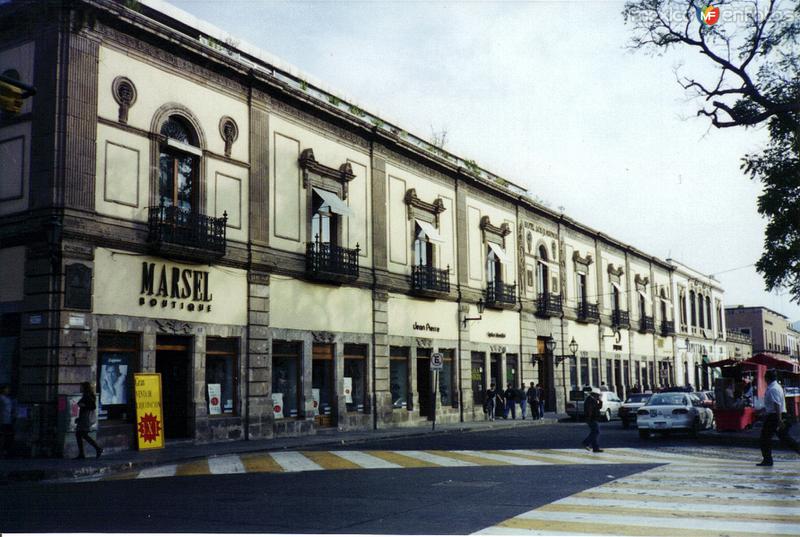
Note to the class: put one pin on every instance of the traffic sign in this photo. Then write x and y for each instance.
(437, 361)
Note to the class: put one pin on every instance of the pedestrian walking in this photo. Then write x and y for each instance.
(774, 407)
(591, 409)
(511, 407)
(533, 401)
(86, 417)
(540, 395)
(490, 402)
(8, 411)
(522, 400)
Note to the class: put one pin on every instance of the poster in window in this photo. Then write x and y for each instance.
(348, 389)
(214, 399)
(277, 405)
(315, 395)
(114, 379)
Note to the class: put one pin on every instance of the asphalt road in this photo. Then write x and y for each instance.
(458, 500)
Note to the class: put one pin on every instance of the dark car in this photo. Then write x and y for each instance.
(627, 412)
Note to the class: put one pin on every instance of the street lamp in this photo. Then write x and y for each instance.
(480, 305)
(573, 348)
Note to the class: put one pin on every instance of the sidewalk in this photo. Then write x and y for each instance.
(15, 470)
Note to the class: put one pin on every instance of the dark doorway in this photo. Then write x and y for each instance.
(494, 371)
(544, 366)
(424, 381)
(173, 362)
(322, 364)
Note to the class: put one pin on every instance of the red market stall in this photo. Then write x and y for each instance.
(740, 390)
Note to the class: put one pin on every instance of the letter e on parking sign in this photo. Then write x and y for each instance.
(437, 361)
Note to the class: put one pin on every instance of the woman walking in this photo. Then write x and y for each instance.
(87, 405)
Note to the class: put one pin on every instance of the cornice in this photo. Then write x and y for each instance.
(414, 202)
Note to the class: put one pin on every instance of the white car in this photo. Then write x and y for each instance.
(673, 411)
(608, 411)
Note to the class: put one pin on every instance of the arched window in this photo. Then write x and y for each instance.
(179, 165)
(323, 221)
(663, 306)
(700, 318)
(542, 276)
(423, 248)
(692, 309)
(615, 297)
(708, 312)
(642, 306)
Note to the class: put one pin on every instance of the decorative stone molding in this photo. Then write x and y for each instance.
(497, 348)
(424, 343)
(174, 327)
(229, 132)
(323, 337)
(641, 283)
(415, 205)
(493, 233)
(124, 93)
(258, 278)
(618, 272)
(342, 175)
(583, 262)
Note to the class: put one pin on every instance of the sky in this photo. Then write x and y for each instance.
(548, 95)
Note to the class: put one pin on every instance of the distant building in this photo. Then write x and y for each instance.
(769, 330)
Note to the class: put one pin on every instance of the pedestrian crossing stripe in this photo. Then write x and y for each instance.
(306, 461)
(688, 497)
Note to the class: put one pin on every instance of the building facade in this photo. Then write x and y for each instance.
(770, 331)
(175, 202)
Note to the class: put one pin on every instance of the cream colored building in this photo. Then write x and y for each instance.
(208, 214)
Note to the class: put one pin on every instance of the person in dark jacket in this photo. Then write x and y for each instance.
(490, 404)
(533, 401)
(510, 395)
(591, 409)
(86, 414)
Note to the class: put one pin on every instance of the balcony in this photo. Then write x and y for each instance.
(667, 328)
(647, 325)
(325, 261)
(549, 305)
(429, 281)
(620, 319)
(588, 313)
(176, 233)
(500, 295)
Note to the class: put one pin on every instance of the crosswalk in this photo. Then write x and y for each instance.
(685, 497)
(308, 461)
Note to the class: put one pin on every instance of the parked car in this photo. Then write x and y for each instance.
(673, 411)
(627, 412)
(706, 398)
(608, 411)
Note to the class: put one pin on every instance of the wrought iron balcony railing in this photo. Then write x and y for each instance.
(646, 324)
(667, 328)
(429, 279)
(549, 305)
(328, 261)
(499, 294)
(620, 319)
(175, 231)
(588, 312)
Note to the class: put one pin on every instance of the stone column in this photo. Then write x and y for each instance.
(382, 394)
(258, 383)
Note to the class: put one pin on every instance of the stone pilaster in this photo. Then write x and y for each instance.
(258, 391)
(382, 394)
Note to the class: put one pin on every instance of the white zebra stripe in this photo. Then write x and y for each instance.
(292, 461)
(517, 461)
(734, 482)
(585, 457)
(435, 459)
(703, 491)
(715, 525)
(229, 464)
(681, 507)
(365, 460)
(158, 471)
(499, 530)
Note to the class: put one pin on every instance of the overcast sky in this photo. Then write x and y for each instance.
(547, 95)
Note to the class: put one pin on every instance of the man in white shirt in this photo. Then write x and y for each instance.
(774, 407)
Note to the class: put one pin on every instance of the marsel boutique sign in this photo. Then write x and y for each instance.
(172, 287)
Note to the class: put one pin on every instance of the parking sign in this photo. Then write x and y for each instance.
(437, 361)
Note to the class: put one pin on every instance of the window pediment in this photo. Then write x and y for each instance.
(615, 273)
(492, 233)
(418, 209)
(326, 177)
(641, 283)
(582, 263)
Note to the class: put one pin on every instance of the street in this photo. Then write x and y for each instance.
(524, 480)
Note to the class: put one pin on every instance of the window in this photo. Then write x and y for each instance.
(512, 370)
(222, 375)
(642, 306)
(494, 267)
(700, 318)
(682, 307)
(355, 369)
(609, 373)
(542, 276)
(286, 359)
(423, 248)
(118, 360)
(708, 312)
(447, 378)
(626, 375)
(585, 380)
(595, 372)
(581, 288)
(179, 165)
(324, 221)
(322, 377)
(9, 348)
(398, 376)
(476, 375)
(573, 372)
(615, 297)
(663, 307)
(692, 309)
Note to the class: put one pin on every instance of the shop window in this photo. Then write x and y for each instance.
(476, 373)
(355, 374)
(118, 360)
(398, 376)
(286, 374)
(447, 379)
(322, 378)
(222, 377)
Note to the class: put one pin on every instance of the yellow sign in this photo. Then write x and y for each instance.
(149, 411)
